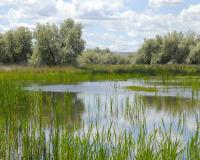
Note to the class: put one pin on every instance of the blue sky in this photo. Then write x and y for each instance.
(120, 25)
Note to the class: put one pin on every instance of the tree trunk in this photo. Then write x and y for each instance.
(52, 55)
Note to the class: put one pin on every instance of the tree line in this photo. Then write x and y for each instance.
(101, 56)
(48, 44)
(172, 48)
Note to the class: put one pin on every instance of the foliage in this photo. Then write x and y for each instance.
(72, 43)
(23, 40)
(100, 56)
(47, 48)
(52, 45)
(2, 48)
(57, 45)
(194, 57)
(174, 47)
(149, 49)
(16, 46)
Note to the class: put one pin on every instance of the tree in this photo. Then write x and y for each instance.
(2, 49)
(10, 47)
(57, 45)
(16, 45)
(47, 47)
(72, 43)
(188, 42)
(23, 44)
(149, 48)
(174, 47)
(170, 47)
(194, 57)
(100, 56)
(88, 57)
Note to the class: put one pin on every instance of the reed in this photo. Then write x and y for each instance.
(37, 125)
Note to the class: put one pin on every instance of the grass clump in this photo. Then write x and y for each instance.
(142, 89)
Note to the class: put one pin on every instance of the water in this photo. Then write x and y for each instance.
(35, 121)
(111, 103)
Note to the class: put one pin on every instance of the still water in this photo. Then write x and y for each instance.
(111, 103)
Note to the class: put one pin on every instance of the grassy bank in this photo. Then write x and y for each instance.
(97, 72)
(146, 70)
(178, 75)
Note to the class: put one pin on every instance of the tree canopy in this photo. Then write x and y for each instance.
(47, 44)
(57, 45)
(50, 44)
(100, 56)
(15, 46)
(174, 47)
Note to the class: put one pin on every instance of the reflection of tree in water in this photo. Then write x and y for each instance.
(172, 105)
(38, 120)
(64, 109)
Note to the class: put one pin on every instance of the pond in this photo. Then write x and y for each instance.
(111, 103)
(100, 120)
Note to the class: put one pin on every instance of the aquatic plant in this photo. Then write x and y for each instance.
(38, 125)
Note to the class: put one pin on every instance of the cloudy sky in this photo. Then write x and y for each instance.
(120, 25)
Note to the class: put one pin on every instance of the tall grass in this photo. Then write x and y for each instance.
(102, 72)
(36, 125)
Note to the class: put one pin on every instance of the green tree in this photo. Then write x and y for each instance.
(194, 57)
(170, 49)
(10, 46)
(100, 56)
(23, 44)
(72, 43)
(174, 47)
(88, 57)
(15, 46)
(2, 49)
(149, 49)
(47, 47)
(57, 45)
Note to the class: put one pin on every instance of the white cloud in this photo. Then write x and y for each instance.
(192, 12)
(108, 23)
(158, 3)
(138, 26)
(14, 2)
(113, 41)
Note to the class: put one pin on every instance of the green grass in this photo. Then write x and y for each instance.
(142, 89)
(26, 116)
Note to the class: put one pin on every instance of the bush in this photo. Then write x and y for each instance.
(98, 56)
(173, 48)
(194, 57)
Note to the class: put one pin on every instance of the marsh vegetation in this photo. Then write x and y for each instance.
(68, 113)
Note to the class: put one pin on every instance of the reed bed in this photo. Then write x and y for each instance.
(37, 125)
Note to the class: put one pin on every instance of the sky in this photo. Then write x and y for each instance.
(120, 25)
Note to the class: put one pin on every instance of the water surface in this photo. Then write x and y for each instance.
(111, 103)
